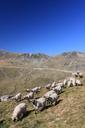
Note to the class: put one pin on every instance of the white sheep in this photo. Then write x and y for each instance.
(29, 96)
(69, 84)
(81, 75)
(78, 82)
(19, 112)
(17, 97)
(78, 74)
(75, 74)
(58, 89)
(73, 81)
(39, 104)
(53, 84)
(47, 94)
(53, 98)
(48, 86)
(60, 84)
(5, 98)
(28, 90)
(65, 82)
(36, 89)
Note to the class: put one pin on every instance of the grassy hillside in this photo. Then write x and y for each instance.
(18, 79)
(68, 113)
(21, 71)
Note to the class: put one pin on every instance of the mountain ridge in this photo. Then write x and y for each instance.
(4, 52)
(74, 60)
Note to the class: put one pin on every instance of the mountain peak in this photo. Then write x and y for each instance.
(74, 54)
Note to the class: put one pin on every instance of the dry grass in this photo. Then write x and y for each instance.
(69, 113)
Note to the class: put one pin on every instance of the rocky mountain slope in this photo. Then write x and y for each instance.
(69, 61)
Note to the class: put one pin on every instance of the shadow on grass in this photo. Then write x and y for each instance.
(62, 91)
(51, 105)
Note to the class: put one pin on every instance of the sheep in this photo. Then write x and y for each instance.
(65, 82)
(53, 98)
(48, 86)
(53, 84)
(81, 75)
(17, 97)
(5, 98)
(29, 96)
(75, 74)
(78, 83)
(60, 84)
(73, 81)
(39, 104)
(78, 74)
(27, 90)
(47, 94)
(36, 89)
(69, 84)
(58, 89)
(19, 112)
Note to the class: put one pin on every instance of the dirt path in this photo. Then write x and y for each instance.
(52, 69)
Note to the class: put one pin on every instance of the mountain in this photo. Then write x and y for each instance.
(73, 60)
(67, 60)
(22, 59)
(23, 56)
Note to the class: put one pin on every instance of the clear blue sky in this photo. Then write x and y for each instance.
(46, 26)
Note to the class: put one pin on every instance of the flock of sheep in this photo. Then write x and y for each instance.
(50, 97)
